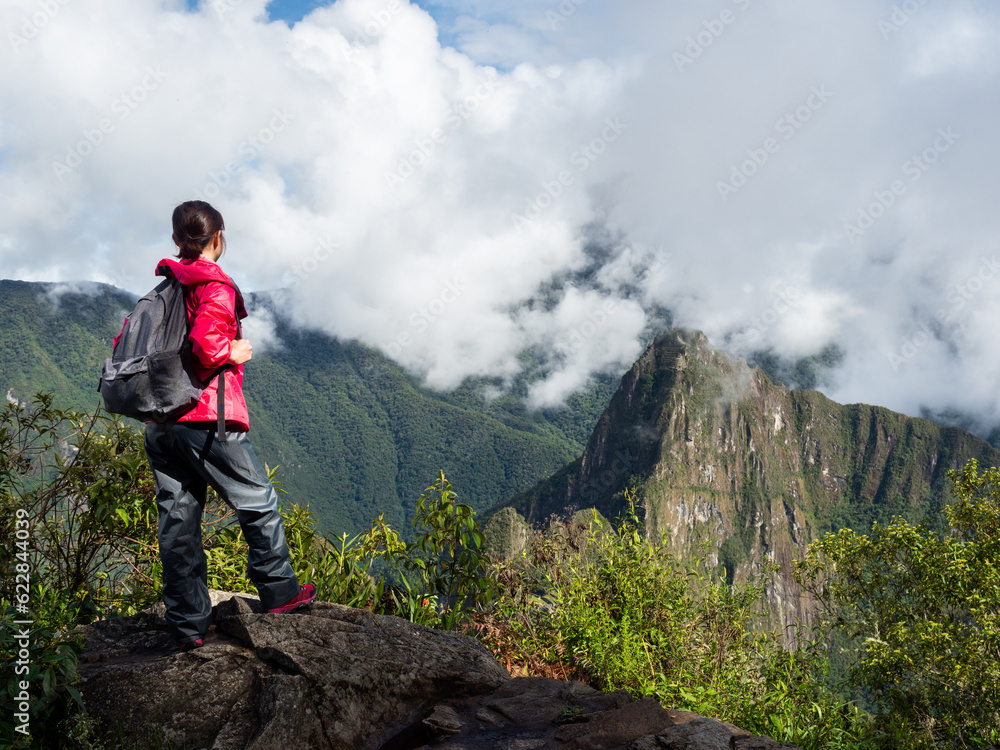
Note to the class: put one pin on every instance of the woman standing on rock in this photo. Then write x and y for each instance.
(193, 452)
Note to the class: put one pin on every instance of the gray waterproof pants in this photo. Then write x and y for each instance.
(186, 459)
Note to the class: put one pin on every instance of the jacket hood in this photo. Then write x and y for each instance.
(198, 271)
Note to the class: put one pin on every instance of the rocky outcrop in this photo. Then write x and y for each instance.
(336, 678)
(719, 453)
(506, 535)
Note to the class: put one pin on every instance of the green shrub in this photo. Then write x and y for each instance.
(78, 488)
(926, 610)
(42, 676)
(447, 553)
(622, 609)
(434, 580)
(341, 568)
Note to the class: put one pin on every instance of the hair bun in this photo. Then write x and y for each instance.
(195, 224)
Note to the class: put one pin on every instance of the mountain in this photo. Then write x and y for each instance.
(719, 454)
(354, 434)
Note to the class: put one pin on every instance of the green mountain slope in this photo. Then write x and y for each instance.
(720, 454)
(354, 434)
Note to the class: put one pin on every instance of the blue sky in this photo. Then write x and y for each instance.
(292, 11)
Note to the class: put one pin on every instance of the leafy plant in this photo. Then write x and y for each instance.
(926, 610)
(341, 568)
(78, 490)
(448, 553)
(433, 580)
(42, 664)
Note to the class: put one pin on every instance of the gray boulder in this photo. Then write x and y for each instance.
(325, 677)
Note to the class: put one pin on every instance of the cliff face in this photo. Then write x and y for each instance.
(721, 456)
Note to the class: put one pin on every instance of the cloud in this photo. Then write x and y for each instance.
(55, 292)
(435, 189)
(259, 329)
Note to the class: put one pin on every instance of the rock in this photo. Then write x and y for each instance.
(444, 720)
(538, 712)
(616, 727)
(693, 732)
(698, 734)
(325, 677)
(335, 678)
(506, 535)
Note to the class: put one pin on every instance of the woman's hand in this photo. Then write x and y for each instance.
(241, 352)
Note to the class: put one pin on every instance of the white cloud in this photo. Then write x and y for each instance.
(259, 329)
(375, 171)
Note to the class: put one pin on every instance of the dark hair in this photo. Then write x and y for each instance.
(195, 223)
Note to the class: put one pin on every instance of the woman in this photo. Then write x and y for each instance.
(191, 453)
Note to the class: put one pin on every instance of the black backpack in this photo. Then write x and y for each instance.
(149, 375)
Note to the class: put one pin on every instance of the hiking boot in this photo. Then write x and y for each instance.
(191, 645)
(306, 595)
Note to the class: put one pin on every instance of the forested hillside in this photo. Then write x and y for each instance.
(355, 436)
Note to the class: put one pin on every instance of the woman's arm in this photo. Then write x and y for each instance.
(213, 329)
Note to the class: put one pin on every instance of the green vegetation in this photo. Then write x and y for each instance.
(621, 611)
(926, 610)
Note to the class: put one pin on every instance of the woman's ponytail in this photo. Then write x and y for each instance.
(195, 224)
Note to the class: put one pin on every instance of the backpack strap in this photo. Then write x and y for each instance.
(220, 405)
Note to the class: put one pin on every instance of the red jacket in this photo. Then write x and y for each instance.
(213, 302)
